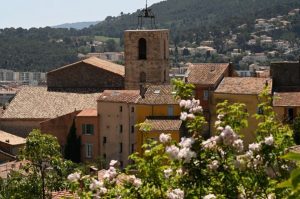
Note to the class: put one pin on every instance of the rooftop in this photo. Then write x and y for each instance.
(159, 95)
(38, 103)
(243, 85)
(164, 125)
(100, 63)
(88, 113)
(127, 96)
(291, 99)
(206, 73)
(11, 139)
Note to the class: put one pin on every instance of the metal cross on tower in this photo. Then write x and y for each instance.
(146, 13)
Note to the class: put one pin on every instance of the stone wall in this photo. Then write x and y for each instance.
(156, 66)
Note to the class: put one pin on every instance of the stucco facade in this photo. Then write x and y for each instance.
(117, 129)
(87, 128)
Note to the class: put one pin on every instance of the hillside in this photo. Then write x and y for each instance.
(197, 18)
(190, 21)
(77, 25)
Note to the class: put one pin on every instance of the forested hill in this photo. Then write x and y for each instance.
(189, 20)
(199, 17)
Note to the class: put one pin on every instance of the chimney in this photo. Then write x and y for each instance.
(142, 91)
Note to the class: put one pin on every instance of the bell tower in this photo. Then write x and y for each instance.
(146, 53)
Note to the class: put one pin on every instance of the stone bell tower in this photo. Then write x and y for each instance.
(146, 54)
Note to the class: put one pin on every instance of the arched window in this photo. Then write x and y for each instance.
(142, 77)
(142, 49)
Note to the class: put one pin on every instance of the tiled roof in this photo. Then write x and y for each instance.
(206, 73)
(63, 194)
(159, 94)
(103, 64)
(286, 99)
(88, 113)
(164, 125)
(11, 139)
(127, 96)
(243, 85)
(38, 103)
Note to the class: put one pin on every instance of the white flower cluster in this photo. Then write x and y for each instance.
(73, 177)
(210, 196)
(191, 108)
(214, 165)
(269, 140)
(184, 152)
(175, 194)
(227, 137)
(98, 186)
(168, 172)
(110, 174)
(165, 138)
(137, 182)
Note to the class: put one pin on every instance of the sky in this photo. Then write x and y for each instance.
(41, 13)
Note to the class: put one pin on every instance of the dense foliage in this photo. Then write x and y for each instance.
(43, 171)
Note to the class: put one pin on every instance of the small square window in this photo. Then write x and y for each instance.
(132, 109)
(104, 156)
(104, 140)
(121, 128)
(121, 108)
(132, 129)
(88, 129)
(132, 148)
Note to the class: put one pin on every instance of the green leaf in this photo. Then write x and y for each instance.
(292, 156)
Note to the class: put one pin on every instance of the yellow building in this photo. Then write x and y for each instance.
(241, 90)
(159, 108)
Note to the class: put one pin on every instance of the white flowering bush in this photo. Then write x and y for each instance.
(219, 167)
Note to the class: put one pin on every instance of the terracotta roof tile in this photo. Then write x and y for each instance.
(206, 73)
(159, 94)
(38, 103)
(103, 64)
(63, 194)
(88, 113)
(11, 139)
(127, 96)
(243, 85)
(164, 125)
(286, 99)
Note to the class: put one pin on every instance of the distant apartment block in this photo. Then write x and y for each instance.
(25, 78)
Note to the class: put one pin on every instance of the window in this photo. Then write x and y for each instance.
(104, 140)
(170, 110)
(142, 49)
(165, 76)
(104, 156)
(142, 77)
(290, 114)
(205, 95)
(88, 129)
(121, 108)
(132, 129)
(121, 163)
(88, 150)
(132, 109)
(132, 148)
(121, 128)
(121, 147)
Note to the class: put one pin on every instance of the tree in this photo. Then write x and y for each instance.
(45, 169)
(111, 45)
(72, 150)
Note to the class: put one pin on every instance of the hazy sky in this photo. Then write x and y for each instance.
(40, 13)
